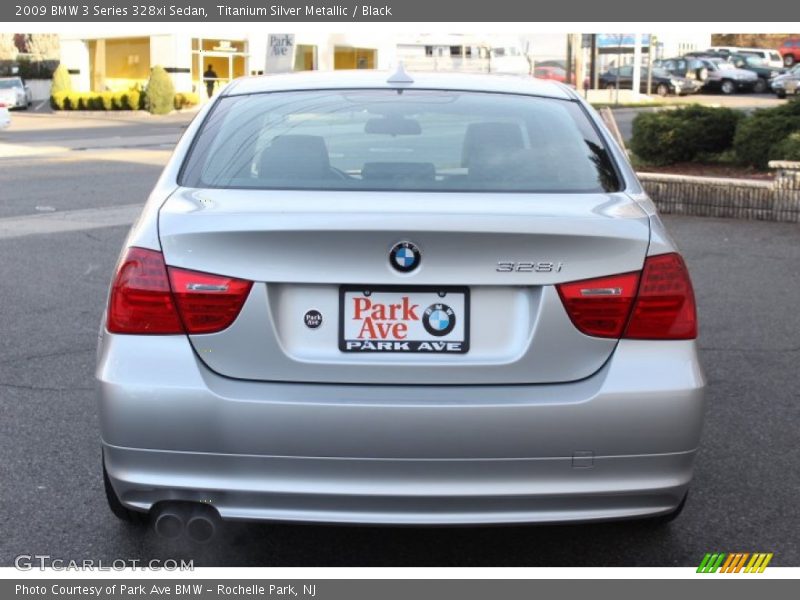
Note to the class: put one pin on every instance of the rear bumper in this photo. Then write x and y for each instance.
(618, 444)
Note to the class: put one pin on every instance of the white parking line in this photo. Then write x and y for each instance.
(68, 220)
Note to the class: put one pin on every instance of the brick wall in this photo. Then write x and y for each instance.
(777, 200)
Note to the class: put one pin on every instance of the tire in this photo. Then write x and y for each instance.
(781, 94)
(788, 60)
(662, 89)
(727, 87)
(760, 86)
(120, 511)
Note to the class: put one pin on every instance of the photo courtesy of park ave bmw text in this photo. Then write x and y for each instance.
(398, 299)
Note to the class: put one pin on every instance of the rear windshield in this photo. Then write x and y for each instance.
(399, 140)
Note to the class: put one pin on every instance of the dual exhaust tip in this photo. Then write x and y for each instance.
(198, 522)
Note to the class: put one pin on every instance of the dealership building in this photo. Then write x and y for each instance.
(121, 61)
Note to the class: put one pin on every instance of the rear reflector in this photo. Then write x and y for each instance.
(207, 303)
(147, 297)
(600, 307)
(663, 308)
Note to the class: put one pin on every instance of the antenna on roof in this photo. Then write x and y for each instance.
(400, 75)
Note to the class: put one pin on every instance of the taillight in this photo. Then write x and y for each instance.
(207, 303)
(665, 307)
(141, 301)
(147, 297)
(656, 305)
(600, 307)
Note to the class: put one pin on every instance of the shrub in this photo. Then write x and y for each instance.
(62, 83)
(671, 136)
(185, 100)
(57, 100)
(107, 100)
(160, 92)
(131, 100)
(787, 149)
(757, 134)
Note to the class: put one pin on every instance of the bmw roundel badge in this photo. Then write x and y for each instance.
(405, 257)
(439, 319)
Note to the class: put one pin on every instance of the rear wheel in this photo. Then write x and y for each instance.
(662, 89)
(120, 511)
(728, 87)
(788, 60)
(761, 86)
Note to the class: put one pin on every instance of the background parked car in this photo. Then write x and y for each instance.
(555, 73)
(687, 66)
(790, 51)
(5, 117)
(756, 64)
(772, 57)
(778, 83)
(552, 73)
(14, 93)
(716, 73)
(663, 82)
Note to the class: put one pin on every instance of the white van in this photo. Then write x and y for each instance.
(772, 57)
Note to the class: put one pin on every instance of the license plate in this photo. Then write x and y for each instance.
(432, 320)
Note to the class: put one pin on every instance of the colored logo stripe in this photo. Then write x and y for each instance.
(734, 562)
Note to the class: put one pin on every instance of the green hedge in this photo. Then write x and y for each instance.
(185, 100)
(672, 136)
(787, 149)
(760, 137)
(130, 100)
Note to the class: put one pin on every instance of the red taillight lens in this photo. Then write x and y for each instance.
(600, 307)
(665, 306)
(141, 301)
(148, 297)
(662, 309)
(207, 303)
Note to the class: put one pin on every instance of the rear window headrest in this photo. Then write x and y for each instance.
(481, 139)
(295, 157)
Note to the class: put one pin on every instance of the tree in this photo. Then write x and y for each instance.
(160, 92)
(8, 49)
(43, 46)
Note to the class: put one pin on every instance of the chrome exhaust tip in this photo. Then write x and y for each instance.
(201, 528)
(169, 523)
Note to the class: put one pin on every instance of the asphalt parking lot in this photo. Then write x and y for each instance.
(54, 281)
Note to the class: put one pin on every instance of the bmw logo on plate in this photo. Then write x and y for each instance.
(405, 257)
(439, 319)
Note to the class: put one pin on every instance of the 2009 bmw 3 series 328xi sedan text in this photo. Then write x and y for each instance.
(398, 299)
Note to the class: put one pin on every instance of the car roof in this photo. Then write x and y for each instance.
(373, 79)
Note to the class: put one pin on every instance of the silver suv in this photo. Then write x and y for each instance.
(373, 298)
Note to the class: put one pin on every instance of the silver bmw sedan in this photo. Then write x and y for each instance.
(392, 298)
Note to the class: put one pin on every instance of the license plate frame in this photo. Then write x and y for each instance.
(438, 343)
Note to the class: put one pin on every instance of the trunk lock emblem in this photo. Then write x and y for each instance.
(405, 257)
